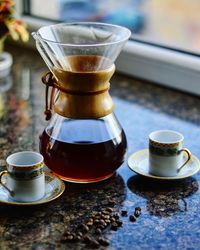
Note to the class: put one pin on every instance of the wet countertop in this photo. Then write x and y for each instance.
(169, 209)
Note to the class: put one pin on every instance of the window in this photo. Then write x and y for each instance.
(165, 42)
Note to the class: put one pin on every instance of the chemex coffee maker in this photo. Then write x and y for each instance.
(84, 141)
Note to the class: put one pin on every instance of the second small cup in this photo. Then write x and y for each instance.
(166, 153)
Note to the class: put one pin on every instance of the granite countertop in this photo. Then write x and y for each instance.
(169, 210)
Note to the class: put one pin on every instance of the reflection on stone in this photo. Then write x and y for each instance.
(5, 84)
(34, 224)
(164, 198)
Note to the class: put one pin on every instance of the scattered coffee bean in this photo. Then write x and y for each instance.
(105, 212)
(138, 208)
(116, 216)
(101, 221)
(132, 218)
(69, 238)
(105, 224)
(96, 222)
(114, 226)
(103, 241)
(107, 221)
(84, 228)
(137, 213)
(66, 233)
(79, 234)
(94, 243)
(106, 217)
(98, 231)
(109, 209)
(89, 223)
(101, 227)
(124, 213)
(112, 219)
(78, 238)
(112, 202)
(98, 217)
(87, 239)
(119, 223)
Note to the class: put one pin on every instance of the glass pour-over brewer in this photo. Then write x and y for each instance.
(83, 142)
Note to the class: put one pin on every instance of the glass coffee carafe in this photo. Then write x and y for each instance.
(83, 141)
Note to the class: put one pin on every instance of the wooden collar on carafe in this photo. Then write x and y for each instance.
(81, 95)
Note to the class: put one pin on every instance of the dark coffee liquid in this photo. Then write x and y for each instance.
(83, 161)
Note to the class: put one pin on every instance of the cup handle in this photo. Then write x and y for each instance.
(1, 175)
(189, 157)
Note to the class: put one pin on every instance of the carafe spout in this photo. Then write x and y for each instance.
(43, 49)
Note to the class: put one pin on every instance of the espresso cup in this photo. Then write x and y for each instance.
(25, 180)
(166, 153)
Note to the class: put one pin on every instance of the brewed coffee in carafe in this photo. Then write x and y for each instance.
(83, 141)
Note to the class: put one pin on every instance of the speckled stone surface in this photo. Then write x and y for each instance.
(170, 210)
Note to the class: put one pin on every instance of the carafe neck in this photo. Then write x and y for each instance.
(82, 95)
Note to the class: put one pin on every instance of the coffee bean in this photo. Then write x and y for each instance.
(84, 228)
(109, 209)
(101, 227)
(78, 238)
(105, 212)
(107, 221)
(112, 219)
(79, 234)
(137, 213)
(138, 208)
(103, 241)
(69, 238)
(116, 216)
(119, 223)
(66, 233)
(106, 217)
(104, 224)
(112, 202)
(96, 222)
(101, 221)
(94, 243)
(90, 219)
(132, 218)
(114, 226)
(98, 231)
(89, 223)
(87, 239)
(124, 213)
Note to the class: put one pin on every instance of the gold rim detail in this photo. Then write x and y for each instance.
(27, 167)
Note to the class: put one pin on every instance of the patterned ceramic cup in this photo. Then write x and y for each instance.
(25, 180)
(166, 153)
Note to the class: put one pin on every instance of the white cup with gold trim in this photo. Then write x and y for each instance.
(166, 153)
(25, 180)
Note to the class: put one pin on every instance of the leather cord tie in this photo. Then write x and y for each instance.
(49, 80)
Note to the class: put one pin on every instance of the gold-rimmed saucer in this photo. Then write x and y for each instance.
(54, 187)
(139, 163)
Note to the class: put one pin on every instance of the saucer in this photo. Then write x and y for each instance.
(54, 187)
(139, 163)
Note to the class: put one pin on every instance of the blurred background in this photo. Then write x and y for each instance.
(171, 23)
